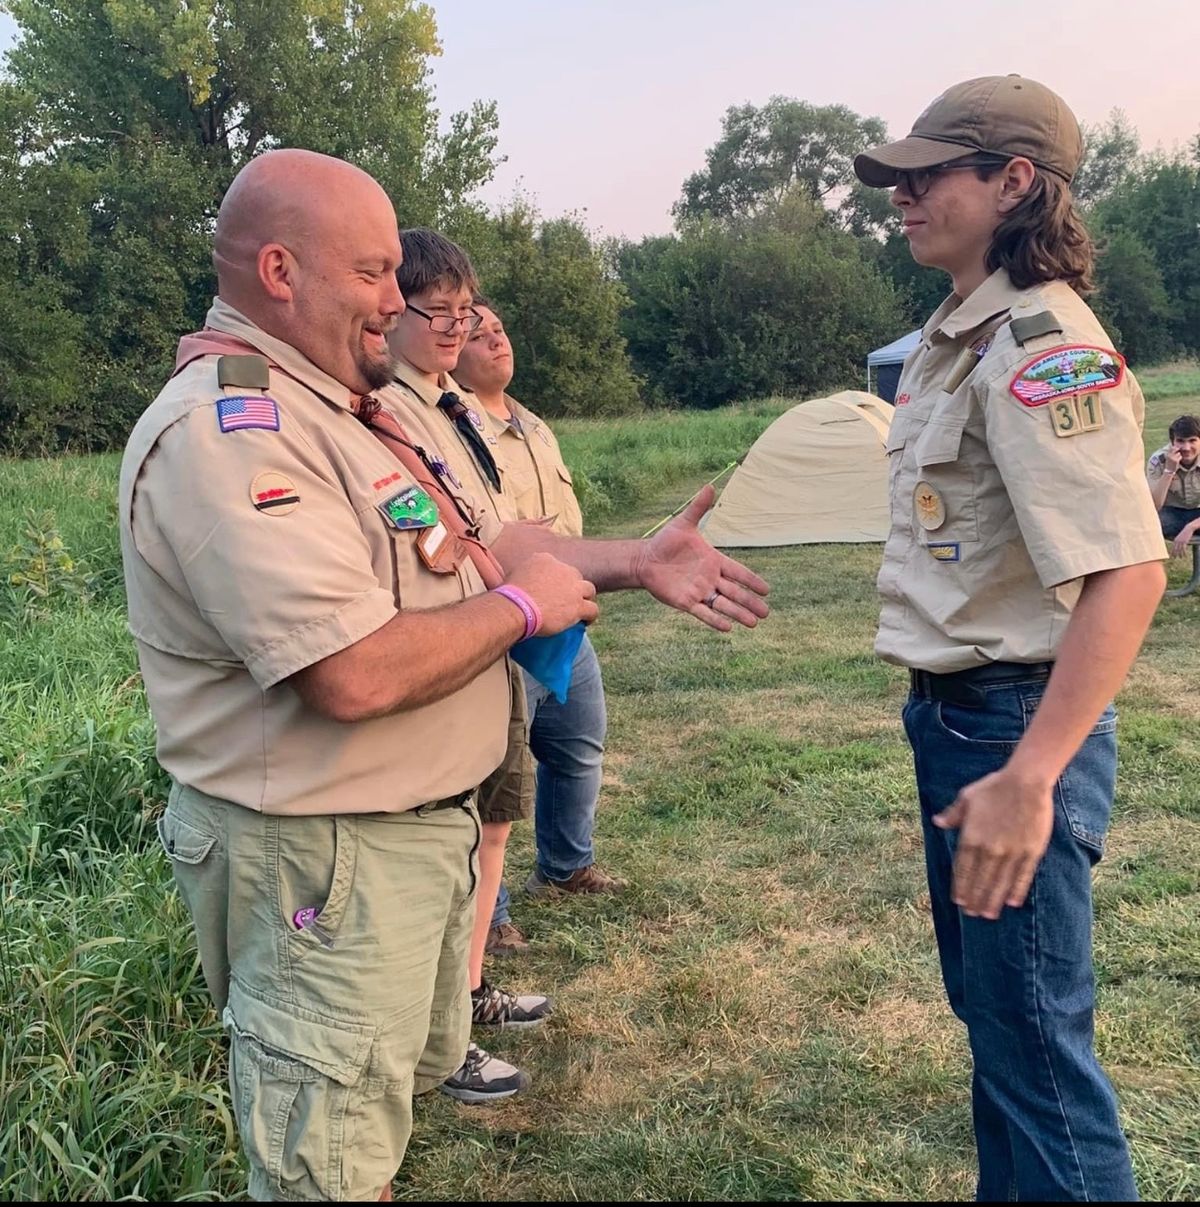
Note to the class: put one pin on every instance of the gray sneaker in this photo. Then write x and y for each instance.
(484, 1078)
(493, 1007)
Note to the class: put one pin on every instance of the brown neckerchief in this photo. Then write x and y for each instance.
(381, 424)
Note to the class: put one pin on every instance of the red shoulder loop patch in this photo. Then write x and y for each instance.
(1067, 371)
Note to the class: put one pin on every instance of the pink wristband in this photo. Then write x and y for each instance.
(530, 610)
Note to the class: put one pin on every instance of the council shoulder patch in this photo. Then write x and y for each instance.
(274, 493)
(237, 412)
(1065, 372)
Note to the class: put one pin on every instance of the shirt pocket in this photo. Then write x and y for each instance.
(897, 437)
(937, 452)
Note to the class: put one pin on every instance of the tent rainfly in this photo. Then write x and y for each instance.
(818, 473)
(887, 362)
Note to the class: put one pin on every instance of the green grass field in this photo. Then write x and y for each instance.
(760, 1016)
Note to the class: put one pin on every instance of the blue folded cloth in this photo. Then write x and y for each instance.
(550, 659)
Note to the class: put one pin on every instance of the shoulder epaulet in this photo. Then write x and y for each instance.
(251, 372)
(1033, 326)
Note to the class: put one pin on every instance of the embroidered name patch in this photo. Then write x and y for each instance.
(1067, 371)
(274, 493)
(948, 552)
(409, 508)
(233, 414)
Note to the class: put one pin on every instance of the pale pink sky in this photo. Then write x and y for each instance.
(606, 107)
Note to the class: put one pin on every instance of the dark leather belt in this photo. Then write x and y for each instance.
(967, 688)
(448, 802)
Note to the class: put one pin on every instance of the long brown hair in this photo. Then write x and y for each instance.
(1044, 239)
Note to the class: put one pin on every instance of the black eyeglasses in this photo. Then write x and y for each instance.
(444, 324)
(918, 181)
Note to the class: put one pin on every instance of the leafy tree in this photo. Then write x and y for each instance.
(1111, 153)
(764, 153)
(1159, 206)
(1132, 301)
(783, 303)
(132, 117)
(562, 308)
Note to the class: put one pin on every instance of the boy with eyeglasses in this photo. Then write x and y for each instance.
(1019, 578)
(438, 283)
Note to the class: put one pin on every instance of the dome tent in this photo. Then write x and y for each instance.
(818, 473)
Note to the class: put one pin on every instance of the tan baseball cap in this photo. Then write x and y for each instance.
(999, 114)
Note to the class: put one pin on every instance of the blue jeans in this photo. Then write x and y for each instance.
(1175, 519)
(568, 742)
(1046, 1125)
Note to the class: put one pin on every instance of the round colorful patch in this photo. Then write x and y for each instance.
(274, 493)
(931, 511)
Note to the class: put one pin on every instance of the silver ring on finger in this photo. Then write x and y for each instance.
(711, 601)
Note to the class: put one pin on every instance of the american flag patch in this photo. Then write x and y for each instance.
(236, 413)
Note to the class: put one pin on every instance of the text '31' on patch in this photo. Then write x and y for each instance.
(274, 493)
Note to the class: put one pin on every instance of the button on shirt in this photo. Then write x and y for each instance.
(251, 553)
(1184, 490)
(995, 517)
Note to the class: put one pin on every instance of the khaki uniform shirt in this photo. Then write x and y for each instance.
(995, 517)
(1184, 490)
(251, 553)
(535, 482)
(413, 399)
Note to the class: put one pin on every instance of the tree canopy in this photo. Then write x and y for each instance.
(122, 123)
(125, 121)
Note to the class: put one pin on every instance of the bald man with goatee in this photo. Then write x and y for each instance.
(328, 684)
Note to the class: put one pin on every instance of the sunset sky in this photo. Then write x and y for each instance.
(606, 107)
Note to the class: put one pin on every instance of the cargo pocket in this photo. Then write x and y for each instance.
(292, 1080)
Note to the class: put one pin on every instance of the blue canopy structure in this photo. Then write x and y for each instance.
(883, 365)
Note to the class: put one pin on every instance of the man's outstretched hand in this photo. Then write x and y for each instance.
(680, 568)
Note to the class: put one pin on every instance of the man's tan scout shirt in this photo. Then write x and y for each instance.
(995, 516)
(251, 553)
(534, 479)
(413, 398)
(1184, 490)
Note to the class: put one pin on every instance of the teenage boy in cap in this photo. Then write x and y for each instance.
(1019, 578)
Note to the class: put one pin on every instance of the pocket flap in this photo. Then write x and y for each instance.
(338, 1050)
(565, 474)
(897, 434)
(940, 441)
(183, 842)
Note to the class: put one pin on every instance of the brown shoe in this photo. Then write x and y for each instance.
(505, 940)
(584, 880)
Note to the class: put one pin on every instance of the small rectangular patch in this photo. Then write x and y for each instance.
(1067, 371)
(234, 414)
(409, 508)
(947, 551)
